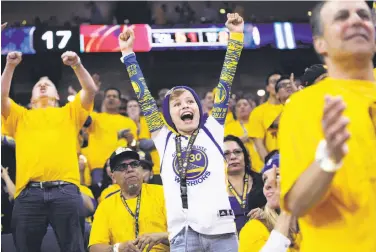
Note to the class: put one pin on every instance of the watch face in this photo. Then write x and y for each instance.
(56, 40)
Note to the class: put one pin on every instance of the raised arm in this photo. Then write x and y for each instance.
(89, 88)
(235, 24)
(145, 99)
(13, 59)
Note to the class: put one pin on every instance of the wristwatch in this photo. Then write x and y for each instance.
(326, 163)
(115, 248)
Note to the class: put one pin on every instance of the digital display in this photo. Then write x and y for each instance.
(104, 38)
(56, 39)
(17, 39)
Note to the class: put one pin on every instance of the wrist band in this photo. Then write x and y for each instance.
(78, 64)
(115, 248)
(322, 157)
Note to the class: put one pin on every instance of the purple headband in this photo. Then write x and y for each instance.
(273, 161)
(166, 107)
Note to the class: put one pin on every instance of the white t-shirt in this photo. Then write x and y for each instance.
(209, 210)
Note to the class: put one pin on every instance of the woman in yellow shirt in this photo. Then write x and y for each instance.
(256, 232)
(145, 143)
(239, 128)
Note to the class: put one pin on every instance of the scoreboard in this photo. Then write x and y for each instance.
(104, 38)
(31, 40)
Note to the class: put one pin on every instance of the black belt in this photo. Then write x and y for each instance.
(48, 184)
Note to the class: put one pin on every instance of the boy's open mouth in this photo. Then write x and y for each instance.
(187, 116)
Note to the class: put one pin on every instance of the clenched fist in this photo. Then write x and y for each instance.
(235, 23)
(14, 58)
(70, 58)
(3, 26)
(126, 40)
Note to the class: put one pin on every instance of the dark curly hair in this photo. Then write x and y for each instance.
(247, 158)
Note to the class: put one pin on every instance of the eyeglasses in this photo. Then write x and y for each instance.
(237, 153)
(123, 167)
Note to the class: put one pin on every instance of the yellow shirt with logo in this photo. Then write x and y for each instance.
(145, 134)
(235, 128)
(103, 137)
(260, 122)
(114, 224)
(112, 188)
(345, 218)
(254, 235)
(46, 140)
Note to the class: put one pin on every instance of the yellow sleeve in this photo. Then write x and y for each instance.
(144, 130)
(255, 125)
(99, 233)
(78, 112)
(253, 236)
(9, 124)
(299, 134)
(85, 190)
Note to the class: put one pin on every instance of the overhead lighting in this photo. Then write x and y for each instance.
(261, 92)
(309, 13)
(222, 11)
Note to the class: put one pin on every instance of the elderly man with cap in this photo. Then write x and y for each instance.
(133, 218)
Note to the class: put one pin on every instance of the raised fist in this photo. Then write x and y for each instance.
(235, 23)
(3, 26)
(126, 40)
(14, 58)
(70, 58)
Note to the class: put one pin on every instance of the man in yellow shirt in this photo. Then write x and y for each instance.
(133, 218)
(284, 88)
(47, 175)
(107, 131)
(262, 127)
(327, 136)
(239, 128)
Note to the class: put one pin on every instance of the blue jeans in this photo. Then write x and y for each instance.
(35, 208)
(203, 243)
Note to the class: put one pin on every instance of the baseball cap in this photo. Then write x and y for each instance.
(312, 73)
(273, 161)
(146, 160)
(120, 154)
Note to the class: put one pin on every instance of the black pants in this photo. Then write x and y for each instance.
(35, 208)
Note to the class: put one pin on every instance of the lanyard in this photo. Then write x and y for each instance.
(242, 200)
(183, 165)
(134, 215)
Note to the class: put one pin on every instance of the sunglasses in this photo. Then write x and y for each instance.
(123, 167)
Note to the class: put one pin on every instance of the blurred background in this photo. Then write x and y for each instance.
(177, 42)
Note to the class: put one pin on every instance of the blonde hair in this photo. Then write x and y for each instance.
(270, 220)
(175, 93)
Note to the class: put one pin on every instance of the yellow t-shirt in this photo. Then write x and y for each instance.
(86, 191)
(113, 223)
(46, 142)
(260, 122)
(229, 118)
(254, 235)
(145, 134)
(236, 129)
(112, 188)
(103, 137)
(345, 218)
